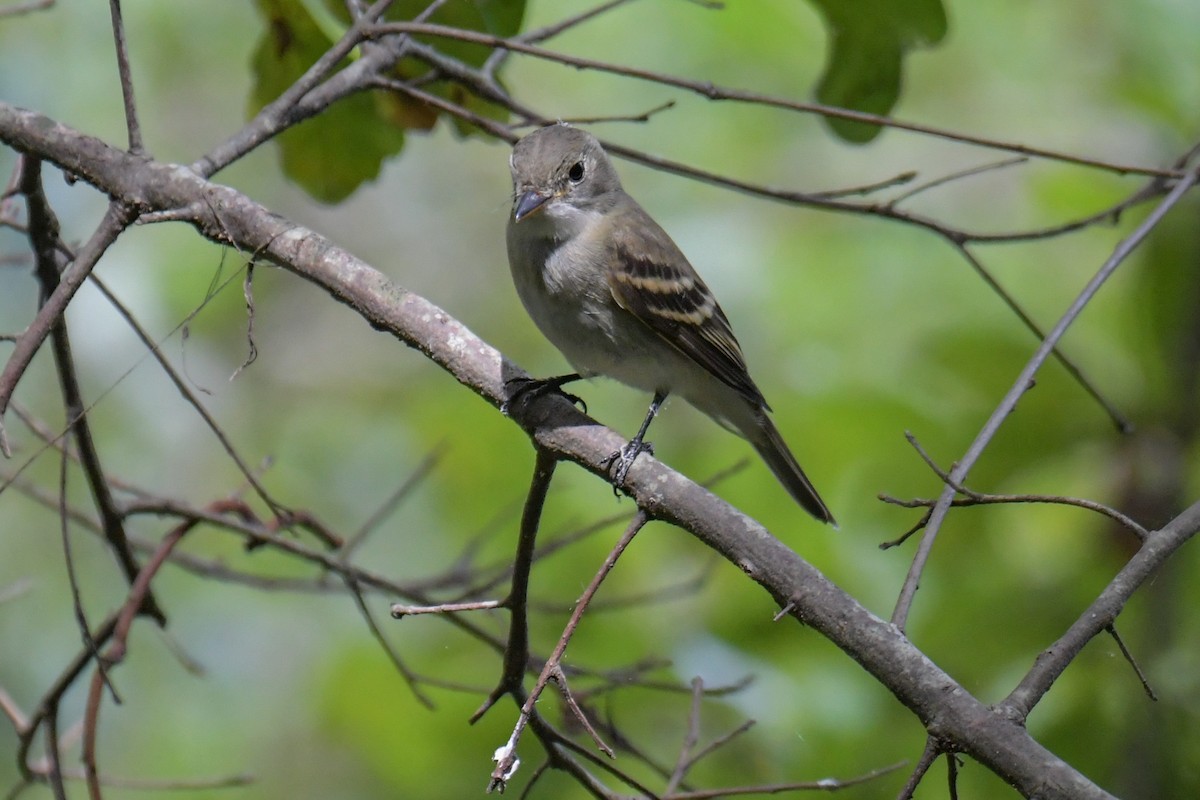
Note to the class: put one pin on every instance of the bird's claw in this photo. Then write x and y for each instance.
(619, 463)
(524, 389)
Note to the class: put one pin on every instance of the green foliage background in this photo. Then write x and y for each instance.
(856, 329)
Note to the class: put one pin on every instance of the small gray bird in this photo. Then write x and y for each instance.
(607, 286)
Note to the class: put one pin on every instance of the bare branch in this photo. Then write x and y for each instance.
(714, 92)
(25, 7)
(956, 176)
(933, 749)
(116, 219)
(131, 119)
(506, 763)
(43, 233)
(300, 101)
(824, 785)
(973, 498)
(1141, 676)
(1121, 422)
(516, 651)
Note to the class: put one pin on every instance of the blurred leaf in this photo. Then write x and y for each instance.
(868, 42)
(335, 152)
(497, 17)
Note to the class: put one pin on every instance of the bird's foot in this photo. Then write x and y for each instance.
(521, 390)
(619, 463)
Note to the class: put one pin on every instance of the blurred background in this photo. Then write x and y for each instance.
(857, 329)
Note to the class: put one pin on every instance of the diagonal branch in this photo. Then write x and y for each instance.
(116, 219)
(307, 96)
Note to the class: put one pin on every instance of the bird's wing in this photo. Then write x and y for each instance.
(652, 280)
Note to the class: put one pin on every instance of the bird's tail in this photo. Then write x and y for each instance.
(774, 451)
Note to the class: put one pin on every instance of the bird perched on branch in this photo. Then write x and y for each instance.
(611, 290)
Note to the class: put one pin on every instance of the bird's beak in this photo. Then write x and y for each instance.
(528, 203)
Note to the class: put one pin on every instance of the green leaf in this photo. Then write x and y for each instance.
(868, 42)
(498, 17)
(335, 152)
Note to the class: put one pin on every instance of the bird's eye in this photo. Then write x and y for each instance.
(575, 173)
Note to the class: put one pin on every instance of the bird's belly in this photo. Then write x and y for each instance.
(588, 336)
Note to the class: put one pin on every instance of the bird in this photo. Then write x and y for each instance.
(614, 293)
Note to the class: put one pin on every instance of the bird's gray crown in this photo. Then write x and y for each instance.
(562, 161)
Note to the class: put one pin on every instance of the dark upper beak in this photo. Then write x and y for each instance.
(528, 203)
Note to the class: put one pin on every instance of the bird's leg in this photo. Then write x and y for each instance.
(623, 459)
(521, 389)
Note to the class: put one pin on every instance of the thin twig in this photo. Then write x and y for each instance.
(724, 739)
(933, 749)
(979, 499)
(714, 92)
(167, 784)
(506, 757)
(555, 28)
(1052, 661)
(116, 219)
(154, 350)
(559, 678)
(952, 763)
(385, 509)
(1137, 670)
(692, 735)
(956, 176)
(47, 707)
(73, 578)
(248, 298)
(973, 498)
(557, 745)
(499, 55)
(407, 675)
(904, 537)
(131, 118)
(284, 111)
(401, 610)
(824, 785)
(115, 652)
(869, 188)
(644, 116)
(44, 238)
(1118, 419)
(25, 8)
(53, 756)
